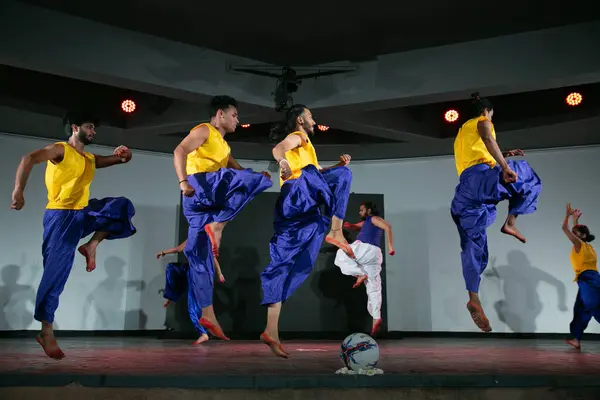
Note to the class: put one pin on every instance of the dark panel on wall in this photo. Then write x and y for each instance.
(325, 303)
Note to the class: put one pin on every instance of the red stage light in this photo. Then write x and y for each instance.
(128, 106)
(451, 116)
(574, 99)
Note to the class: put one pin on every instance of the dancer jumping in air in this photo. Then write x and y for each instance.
(177, 283)
(366, 267)
(299, 226)
(70, 214)
(486, 178)
(585, 265)
(215, 189)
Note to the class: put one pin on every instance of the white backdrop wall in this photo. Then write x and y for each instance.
(527, 287)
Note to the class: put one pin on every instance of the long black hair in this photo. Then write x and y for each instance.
(480, 104)
(288, 125)
(583, 229)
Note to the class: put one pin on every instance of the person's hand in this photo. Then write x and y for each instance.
(570, 211)
(286, 171)
(265, 173)
(221, 278)
(187, 189)
(577, 213)
(392, 251)
(123, 153)
(508, 175)
(347, 225)
(161, 254)
(345, 159)
(513, 153)
(18, 199)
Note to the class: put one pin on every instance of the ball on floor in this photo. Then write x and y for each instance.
(359, 351)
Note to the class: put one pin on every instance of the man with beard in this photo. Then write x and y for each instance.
(366, 267)
(215, 189)
(299, 225)
(70, 214)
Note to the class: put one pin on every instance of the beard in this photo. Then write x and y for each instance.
(83, 137)
(310, 129)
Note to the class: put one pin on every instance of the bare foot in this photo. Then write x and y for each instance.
(214, 231)
(89, 252)
(376, 327)
(274, 345)
(48, 343)
(213, 327)
(337, 239)
(574, 342)
(478, 316)
(203, 338)
(512, 231)
(359, 281)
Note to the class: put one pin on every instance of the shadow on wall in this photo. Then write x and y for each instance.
(17, 300)
(108, 299)
(521, 305)
(145, 306)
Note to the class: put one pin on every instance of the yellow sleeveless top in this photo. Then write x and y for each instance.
(300, 157)
(68, 182)
(469, 148)
(585, 260)
(211, 156)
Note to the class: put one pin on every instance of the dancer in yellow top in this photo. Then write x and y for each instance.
(70, 214)
(585, 266)
(299, 226)
(486, 178)
(215, 190)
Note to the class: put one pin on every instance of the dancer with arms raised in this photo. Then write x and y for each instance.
(585, 265)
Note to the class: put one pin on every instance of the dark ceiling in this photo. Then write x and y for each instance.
(516, 110)
(53, 95)
(315, 32)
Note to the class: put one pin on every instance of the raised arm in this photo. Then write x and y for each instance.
(353, 227)
(383, 224)
(567, 230)
(173, 250)
(191, 142)
(287, 144)
(121, 155)
(53, 152)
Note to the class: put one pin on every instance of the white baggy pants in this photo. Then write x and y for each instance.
(368, 262)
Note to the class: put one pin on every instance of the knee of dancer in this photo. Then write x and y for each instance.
(345, 173)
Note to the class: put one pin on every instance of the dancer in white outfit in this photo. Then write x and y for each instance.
(366, 267)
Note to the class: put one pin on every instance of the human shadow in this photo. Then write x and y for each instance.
(522, 305)
(108, 298)
(17, 301)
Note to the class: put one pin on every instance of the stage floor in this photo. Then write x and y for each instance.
(135, 362)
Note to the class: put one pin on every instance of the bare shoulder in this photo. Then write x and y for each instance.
(200, 131)
(54, 152)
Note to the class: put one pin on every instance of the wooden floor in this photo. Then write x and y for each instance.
(409, 362)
